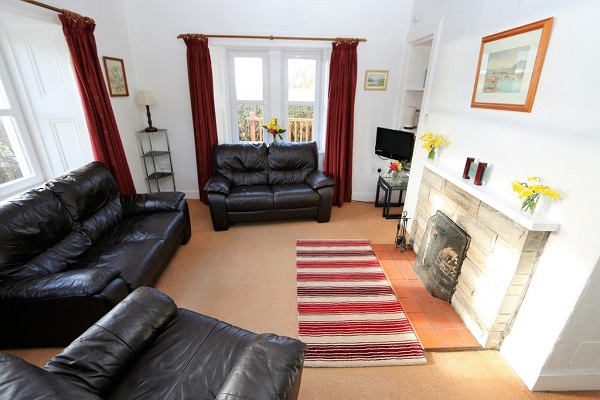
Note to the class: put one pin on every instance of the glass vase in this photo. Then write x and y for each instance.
(530, 203)
(431, 155)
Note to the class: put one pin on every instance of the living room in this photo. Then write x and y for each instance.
(555, 341)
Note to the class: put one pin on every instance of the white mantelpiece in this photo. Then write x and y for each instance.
(532, 223)
(505, 246)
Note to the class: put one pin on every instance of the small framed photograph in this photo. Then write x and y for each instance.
(509, 67)
(115, 76)
(376, 80)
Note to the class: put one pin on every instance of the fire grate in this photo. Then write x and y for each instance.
(441, 254)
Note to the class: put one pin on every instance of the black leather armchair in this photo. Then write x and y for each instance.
(71, 250)
(148, 348)
(255, 182)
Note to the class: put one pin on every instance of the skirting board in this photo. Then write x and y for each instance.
(568, 380)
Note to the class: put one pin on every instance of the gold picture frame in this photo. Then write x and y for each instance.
(376, 79)
(115, 76)
(509, 67)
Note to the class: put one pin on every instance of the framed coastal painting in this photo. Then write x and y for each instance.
(509, 67)
(376, 80)
(115, 75)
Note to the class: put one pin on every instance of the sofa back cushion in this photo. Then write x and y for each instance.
(242, 163)
(30, 224)
(91, 196)
(291, 162)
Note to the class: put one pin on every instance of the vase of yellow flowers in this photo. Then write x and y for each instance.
(531, 192)
(394, 170)
(274, 129)
(432, 142)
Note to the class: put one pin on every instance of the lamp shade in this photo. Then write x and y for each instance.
(145, 98)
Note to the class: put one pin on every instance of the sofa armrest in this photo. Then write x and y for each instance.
(268, 368)
(81, 282)
(95, 360)
(151, 202)
(20, 380)
(218, 184)
(317, 179)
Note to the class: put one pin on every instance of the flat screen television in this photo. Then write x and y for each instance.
(394, 144)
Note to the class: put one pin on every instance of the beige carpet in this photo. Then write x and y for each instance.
(247, 276)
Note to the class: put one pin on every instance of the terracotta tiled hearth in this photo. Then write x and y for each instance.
(435, 322)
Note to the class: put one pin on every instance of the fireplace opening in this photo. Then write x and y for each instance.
(441, 255)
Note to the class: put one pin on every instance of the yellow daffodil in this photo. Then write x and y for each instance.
(531, 191)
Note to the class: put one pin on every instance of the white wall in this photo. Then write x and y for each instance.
(550, 346)
(112, 41)
(160, 60)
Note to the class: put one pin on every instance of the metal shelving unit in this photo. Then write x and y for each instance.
(156, 157)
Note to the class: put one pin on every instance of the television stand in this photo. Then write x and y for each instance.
(387, 185)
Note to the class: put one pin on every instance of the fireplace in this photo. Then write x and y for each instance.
(443, 250)
(501, 258)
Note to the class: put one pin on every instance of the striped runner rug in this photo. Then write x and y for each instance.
(348, 314)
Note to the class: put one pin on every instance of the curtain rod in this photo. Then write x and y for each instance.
(183, 35)
(59, 10)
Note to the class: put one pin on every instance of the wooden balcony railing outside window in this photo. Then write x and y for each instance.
(299, 129)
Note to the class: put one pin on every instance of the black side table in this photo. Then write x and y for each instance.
(388, 185)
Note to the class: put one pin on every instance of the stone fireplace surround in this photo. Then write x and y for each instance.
(504, 250)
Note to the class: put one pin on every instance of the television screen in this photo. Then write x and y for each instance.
(394, 144)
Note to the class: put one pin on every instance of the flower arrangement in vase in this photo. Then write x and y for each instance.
(431, 142)
(394, 169)
(531, 191)
(274, 129)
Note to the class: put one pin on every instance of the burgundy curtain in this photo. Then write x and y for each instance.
(203, 107)
(340, 119)
(102, 126)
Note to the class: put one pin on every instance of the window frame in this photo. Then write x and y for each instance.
(275, 88)
(318, 102)
(232, 93)
(15, 111)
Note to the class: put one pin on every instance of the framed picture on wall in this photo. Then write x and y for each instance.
(115, 76)
(509, 67)
(376, 80)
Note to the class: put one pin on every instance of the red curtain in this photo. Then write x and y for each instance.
(102, 126)
(340, 119)
(203, 107)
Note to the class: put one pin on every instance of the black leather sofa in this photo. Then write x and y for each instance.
(148, 348)
(71, 250)
(254, 182)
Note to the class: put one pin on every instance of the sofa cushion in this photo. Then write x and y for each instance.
(139, 261)
(20, 380)
(250, 198)
(29, 225)
(242, 163)
(86, 190)
(143, 227)
(291, 162)
(298, 195)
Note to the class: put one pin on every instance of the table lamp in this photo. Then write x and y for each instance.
(146, 98)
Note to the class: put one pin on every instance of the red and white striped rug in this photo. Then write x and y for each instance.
(348, 313)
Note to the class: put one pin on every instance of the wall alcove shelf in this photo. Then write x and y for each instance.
(156, 157)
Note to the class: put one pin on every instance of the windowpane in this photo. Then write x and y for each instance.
(13, 163)
(249, 121)
(248, 78)
(301, 123)
(301, 79)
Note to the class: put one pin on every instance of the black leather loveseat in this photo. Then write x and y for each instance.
(147, 348)
(255, 182)
(71, 250)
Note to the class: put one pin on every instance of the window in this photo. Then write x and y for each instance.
(17, 157)
(285, 85)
